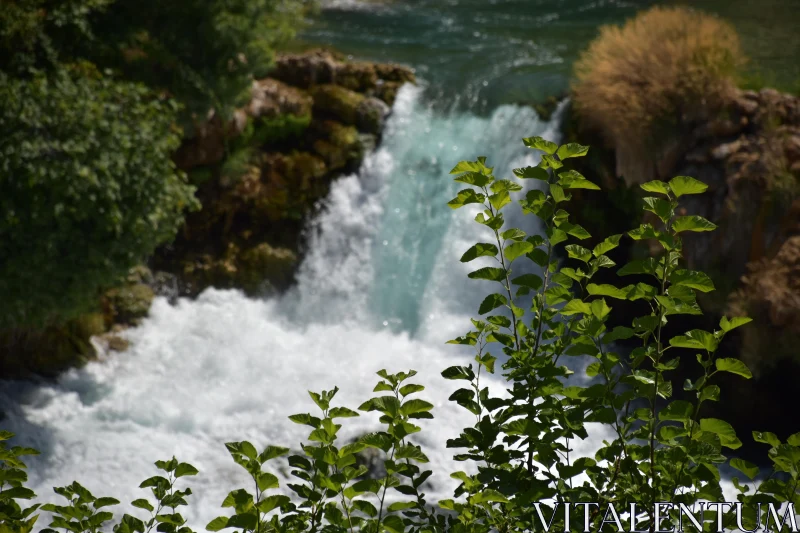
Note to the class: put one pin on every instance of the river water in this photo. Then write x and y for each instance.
(381, 286)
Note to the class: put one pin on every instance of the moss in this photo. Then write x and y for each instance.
(337, 101)
(339, 145)
(48, 352)
(280, 128)
(130, 303)
(264, 265)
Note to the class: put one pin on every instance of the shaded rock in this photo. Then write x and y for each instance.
(255, 270)
(371, 115)
(25, 353)
(770, 294)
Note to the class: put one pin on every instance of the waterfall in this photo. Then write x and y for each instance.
(381, 287)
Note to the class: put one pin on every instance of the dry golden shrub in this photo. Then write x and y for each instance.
(663, 68)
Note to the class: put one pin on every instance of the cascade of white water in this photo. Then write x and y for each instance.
(380, 287)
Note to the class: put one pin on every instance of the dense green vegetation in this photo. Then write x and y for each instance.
(92, 94)
(545, 310)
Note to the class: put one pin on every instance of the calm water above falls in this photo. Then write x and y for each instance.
(381, 287)
(490, 52)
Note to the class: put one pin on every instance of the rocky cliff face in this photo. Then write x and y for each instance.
(260, 173)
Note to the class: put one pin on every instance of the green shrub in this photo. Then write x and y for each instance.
(89, 190)
(663, 450)
(203, 53)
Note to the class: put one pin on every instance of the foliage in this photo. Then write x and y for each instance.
(522, 443)
(89, 190)
(663, 67)
(202, 53)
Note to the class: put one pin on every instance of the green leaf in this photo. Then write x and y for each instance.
(618, 333)
(105, 502)
(608, 290)
(337, 412)
(656, 186)
(766, 437)
(710, 393)
(528, 280)
(662, 208)
(693, 279)
(600, 308)
(550, 161)
(458, 372)
(607, 245)
(185, 469)
(142, 504)
(467, 166)
(537, 173)
(734, 366)
(272, 502)
(578, 252)
(726, 433)
(572, 150)
(493, 301)
(640, 266)
(576, 306)
(575, 180)
(558, 193)
(482, 249)
(218, 524)
(500, 199)
(692, 223)
(415, 406)
(473, 178)
(677, 410)
(681, 185)
(517, 249)
(393, 524)
(745, 467)
(488, 273)
(542, 144)
(464, 197)
(267, 481)
(728, 325)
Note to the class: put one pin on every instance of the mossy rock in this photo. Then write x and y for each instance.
(50, 351)
(280, 128)
(338, 145)
(338, 102)
(371, 115)
(263, 266)
(358, 77)
(130, 303)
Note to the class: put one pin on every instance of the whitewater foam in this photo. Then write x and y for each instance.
(381, 287)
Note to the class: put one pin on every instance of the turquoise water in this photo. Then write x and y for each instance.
(484, 53)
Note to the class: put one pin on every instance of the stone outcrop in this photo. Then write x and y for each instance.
(260, 173)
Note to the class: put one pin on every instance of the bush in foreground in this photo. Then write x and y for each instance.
(665, 67)
(521, 443)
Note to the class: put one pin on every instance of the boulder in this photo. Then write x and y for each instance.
(338, 102)
(371, 115)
